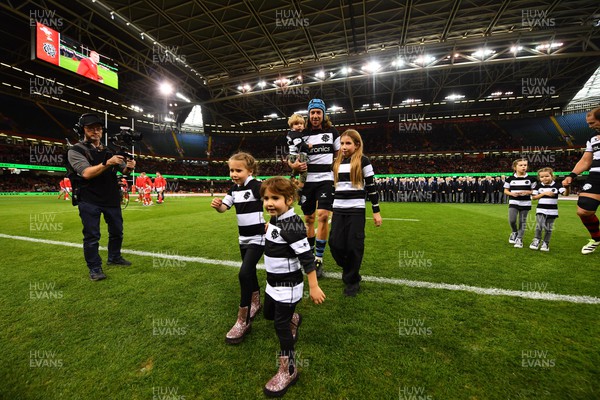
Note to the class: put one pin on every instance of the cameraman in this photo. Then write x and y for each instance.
(98, 193)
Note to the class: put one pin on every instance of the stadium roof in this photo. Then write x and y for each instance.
(250, 63)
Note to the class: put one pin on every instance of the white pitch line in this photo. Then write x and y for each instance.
(397, 219)
(391, 281)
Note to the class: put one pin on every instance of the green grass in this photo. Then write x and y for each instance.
(470, 346)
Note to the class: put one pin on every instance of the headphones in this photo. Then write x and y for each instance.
(85, 120)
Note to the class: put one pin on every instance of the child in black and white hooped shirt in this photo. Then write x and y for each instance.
(518, 188)
(546, 192)
(287, 252)
(353, 176)
(245, 196)
(298, 149)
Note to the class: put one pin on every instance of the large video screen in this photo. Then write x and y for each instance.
(50, 46)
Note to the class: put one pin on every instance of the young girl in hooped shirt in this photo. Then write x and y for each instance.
(245, 196)
(287, 252)
(518, 188)
(354, 181)
(546, 192)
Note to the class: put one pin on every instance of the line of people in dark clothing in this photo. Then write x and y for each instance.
(463, 189)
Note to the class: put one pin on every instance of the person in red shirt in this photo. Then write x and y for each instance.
(88, 67)
(140, 183)
(160, 185)
(147, 194)
(65, 188)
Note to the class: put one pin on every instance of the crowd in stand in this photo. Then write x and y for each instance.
(270, 148)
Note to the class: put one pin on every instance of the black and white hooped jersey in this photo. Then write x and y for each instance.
(320, 157)
(516, 183)
(296, 143)
(249, 211)
(348, 198)
(593, 146)
(548, 205)
(286, 252)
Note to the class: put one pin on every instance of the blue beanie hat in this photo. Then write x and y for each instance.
(317, 103)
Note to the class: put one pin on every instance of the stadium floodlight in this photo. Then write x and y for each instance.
(399, 62)
(166, 88)
(346, 70)
(272, 115)
(454, 97)
(516, 49)
(410, 101)
(424, 60)
(546, 46)
(262, 84)
(182, 97)
(320, 74)
(483, 53)
(371, 67)
(335, 108)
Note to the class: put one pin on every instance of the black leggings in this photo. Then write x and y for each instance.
(251, 254)
(282, 314)
(347, 244)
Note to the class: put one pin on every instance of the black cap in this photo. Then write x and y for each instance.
(90, 119)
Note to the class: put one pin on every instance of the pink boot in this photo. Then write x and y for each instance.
(283, 379)
(241, 328)
(255, 305)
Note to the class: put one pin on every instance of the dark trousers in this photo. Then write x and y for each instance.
(251, 254)
(90, 218)
(347, 244)
(281, 314)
